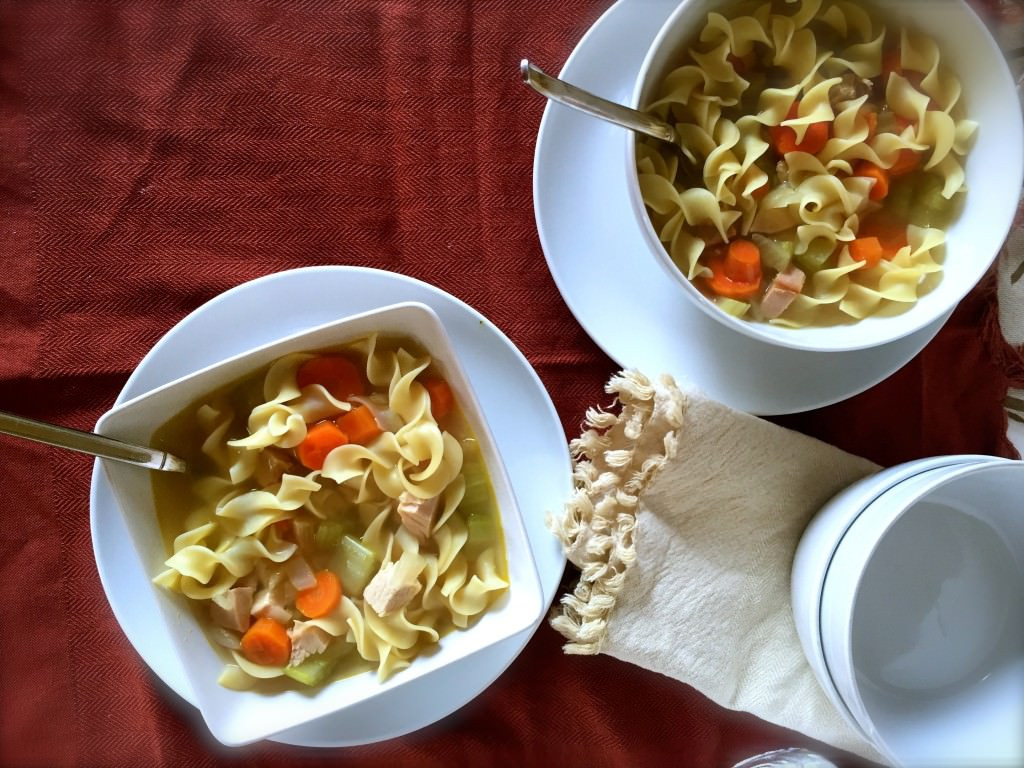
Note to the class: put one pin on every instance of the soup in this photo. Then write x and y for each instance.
(823, 163)
(338, 515)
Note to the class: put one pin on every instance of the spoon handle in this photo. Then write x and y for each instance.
(577, 98)
(88, 442)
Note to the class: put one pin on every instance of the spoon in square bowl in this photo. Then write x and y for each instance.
(88, 442)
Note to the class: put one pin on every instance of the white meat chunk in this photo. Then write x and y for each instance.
(307, 640)
(782, 291)
(417, 514)
(230, 609)
(391, 588)
(272, 602)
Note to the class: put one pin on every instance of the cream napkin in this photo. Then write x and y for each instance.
(684, 523)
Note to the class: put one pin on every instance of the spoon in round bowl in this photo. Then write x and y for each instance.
(573, 96)
(88, 442)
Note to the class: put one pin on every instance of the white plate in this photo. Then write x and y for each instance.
(510, 393)
(597, 254)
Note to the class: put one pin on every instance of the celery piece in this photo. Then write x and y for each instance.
(775, 254)
(731, 306)
(482, 529)
(478, 488)
(355, 565)
(328, 535)
(899, 201)
(814, 258)
(931, 209)
(316, 669)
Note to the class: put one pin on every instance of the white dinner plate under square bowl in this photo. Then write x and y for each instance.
(629, 306)
(511, 396)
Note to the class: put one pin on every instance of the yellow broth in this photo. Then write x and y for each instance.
(181, 501)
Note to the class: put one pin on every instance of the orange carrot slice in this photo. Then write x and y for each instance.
(321, 438)
(266, 642)
(319, 600)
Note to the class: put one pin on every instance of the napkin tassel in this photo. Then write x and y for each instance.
(598, 523)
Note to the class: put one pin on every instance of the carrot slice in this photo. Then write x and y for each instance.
(359, 425)
(743, 262)
(338, 375)
(441, 398)
(319, 600)
(321, 438)
(906, 162)
(891, 233)
(871, 118)
(866, 249)
(783, 137)
(266, 642)
(880, 175)
(736, 274)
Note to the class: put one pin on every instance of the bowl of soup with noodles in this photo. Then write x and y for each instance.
(345, 525)
(846, 171)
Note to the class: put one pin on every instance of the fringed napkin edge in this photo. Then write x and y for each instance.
(611, 471)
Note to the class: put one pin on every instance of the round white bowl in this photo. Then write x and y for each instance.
(994, 169)
(818, 545)
(922, 617)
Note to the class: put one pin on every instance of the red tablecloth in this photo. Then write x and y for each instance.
(155, 154)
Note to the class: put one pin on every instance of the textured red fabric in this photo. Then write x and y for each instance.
(154, 154)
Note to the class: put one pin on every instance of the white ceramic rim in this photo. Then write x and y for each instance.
(807, 608)
(922, 485)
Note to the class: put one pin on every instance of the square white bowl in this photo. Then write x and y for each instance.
(241, 717)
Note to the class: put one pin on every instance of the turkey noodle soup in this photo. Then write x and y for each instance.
(339, 516)
(824, 159)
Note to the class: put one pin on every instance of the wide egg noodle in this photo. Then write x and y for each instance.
(215, 419)
(814, 107)
(258, 671)
(739, 34)
(849, 140)
(200, 569)
(849, 20)
(795, 49)
(475, 595)
(919, 53)
(281, 420)
(249, 513)
(722, 165)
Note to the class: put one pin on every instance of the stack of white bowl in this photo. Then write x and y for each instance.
(908, 595)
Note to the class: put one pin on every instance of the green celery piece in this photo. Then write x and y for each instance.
(731, 306)
(328, 535)
(355, 565)
(899, 201)
(318, 667)
(814, 258)
(478, 487)
(775, 254)
(931, 209)
(483, 530)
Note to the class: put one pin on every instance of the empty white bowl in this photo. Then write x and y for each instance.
(994, 170)
(922, 617)
(236, 717)
(818, 545)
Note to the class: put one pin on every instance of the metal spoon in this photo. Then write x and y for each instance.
(585, 101)
(88, 442)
